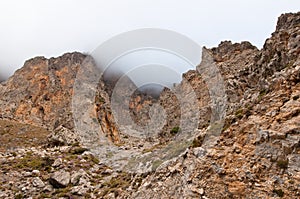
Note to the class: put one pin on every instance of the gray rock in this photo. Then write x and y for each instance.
(199, 152)
(63, 136)
(294, 163)
(262, 136)
(57, 162)
(201, 191)
(35, 172)
(48, 188)
(276, 135)
(79, 178)
(80, 190)
(37, 182)
(60, 179)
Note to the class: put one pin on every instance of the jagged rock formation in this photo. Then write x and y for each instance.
(257, 154)
(40, 93)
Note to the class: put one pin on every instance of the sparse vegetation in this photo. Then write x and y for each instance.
(63, 192)
(31, 162)
(175, 130)
(283, 164)
(78, 150)
(91, 158)
(197, 142)
(17, 135)
(262, 93)
(19, 196)
(296, 97)
(239, 113)
(122, 181)
(279, 192)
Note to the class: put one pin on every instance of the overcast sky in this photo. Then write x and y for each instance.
(53, 27)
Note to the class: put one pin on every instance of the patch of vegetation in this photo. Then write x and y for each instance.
(197, 142)
(122, 181)
(99, 99)
(110, 154)
(239, 113)
(33, 162)
(156, 164)
(296, 97)
(19, 196)
(19, 135)
(95, 120)
(91, 158)
(262, 93)
(175, 149)
(283, 164)
(78, 150)
(228, 122)
(157, 146)
(175, 130)
(44, 195)
(279, 192)
(76, 144)
(290, 65)
(63, 192)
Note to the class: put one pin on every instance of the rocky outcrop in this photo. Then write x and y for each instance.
(41, 93)
(258, 148)
(60, 179)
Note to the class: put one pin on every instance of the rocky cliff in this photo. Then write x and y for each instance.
(256, 155)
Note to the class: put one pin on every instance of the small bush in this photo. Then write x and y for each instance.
(279, 192)
(262, 93)
(19, 196)
(91, 158)
(240, 111)
(78, 150)
(283, 164)
(296, 97)
(175, 130)
(196, 143)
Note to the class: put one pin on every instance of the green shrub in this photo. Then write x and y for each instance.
(175, 130)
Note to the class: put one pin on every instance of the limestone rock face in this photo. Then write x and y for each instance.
(40, 92)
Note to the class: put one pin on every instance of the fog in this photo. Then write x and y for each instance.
(52, 27)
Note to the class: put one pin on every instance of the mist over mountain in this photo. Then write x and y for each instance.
(50, 28)
(2, 78)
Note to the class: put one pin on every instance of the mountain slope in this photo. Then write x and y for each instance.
(257, 154)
